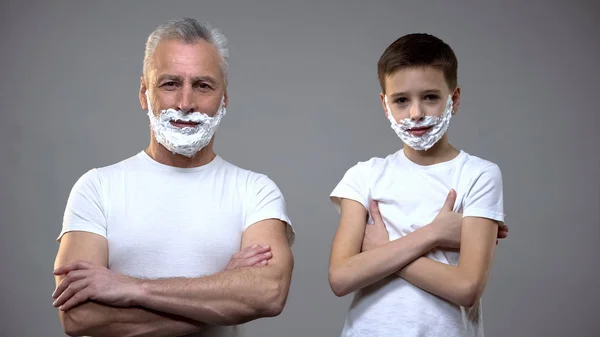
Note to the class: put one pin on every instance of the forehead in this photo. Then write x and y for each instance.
(187, 59)
(416, 79)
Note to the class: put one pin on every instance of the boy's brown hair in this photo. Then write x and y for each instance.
(418, 50)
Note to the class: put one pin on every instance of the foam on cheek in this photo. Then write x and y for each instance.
(187, 140)
(439, 126)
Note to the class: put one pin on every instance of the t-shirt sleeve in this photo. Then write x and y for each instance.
(265, 201)
(84, 210)
(352, 186)
(485, 198)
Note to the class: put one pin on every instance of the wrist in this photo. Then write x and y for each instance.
(140, 292)
(432, 233)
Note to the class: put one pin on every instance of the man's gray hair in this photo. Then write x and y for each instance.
(188, 31)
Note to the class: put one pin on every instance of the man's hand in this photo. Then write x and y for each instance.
(255, 255)
(375, 234)
(86, 281)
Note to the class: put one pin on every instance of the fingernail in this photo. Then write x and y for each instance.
(254, 246)
(54, 303)
(266, 246)
(264, 262)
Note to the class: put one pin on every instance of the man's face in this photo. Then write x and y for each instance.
(417, 92)
(184, 77)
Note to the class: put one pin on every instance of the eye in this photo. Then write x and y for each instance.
(401, 100)
(203, 86)
(431, 97)
(169, 85)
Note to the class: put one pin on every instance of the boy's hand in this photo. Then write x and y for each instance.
(375, 234)
(447, 224)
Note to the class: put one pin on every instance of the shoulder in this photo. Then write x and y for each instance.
(248, 180)
(477, 166)
(372, 167)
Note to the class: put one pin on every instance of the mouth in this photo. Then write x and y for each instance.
(184, 124)
(419, 131)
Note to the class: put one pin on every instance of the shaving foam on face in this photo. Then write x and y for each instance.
(185, 141)
(439, 126)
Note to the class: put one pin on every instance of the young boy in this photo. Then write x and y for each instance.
(441, 206)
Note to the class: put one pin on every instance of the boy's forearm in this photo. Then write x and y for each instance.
(99, 320)
(371, 266)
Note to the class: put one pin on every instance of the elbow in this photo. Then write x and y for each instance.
(469, 294)
(71, 324)
(338, 285)
(275, 299)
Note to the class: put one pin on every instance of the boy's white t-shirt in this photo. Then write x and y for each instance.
(410, 196)
(162, 221)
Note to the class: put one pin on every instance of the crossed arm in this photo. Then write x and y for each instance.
(98, 302)
(352, 267)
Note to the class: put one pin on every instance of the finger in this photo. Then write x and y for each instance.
(261, 263)
(70, 278)
(450, 200)
(71, 290)
(254, 250)
(374, 209)
(257, 259)
(77, 299)
(502, 235)
(79, 264)
(496, 242)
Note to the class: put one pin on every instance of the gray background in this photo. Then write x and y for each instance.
(304, 107)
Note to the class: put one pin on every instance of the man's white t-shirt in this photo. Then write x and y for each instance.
(162, 221)
(410, 196)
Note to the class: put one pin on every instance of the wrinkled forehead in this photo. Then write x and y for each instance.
(186, 61)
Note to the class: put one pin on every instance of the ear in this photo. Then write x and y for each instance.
(455, 100)
(382, 98)
(142, 94)
(225, 99)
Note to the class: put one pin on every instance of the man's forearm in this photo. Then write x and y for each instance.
(225, 298)
(99, 320)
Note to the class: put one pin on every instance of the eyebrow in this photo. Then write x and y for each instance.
(428, 91)
(168, 77)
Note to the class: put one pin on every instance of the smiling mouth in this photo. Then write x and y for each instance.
(183, 124)
(419, 131)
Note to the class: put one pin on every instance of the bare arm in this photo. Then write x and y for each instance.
(465, 283)
(232, 296)
(95, 319)
(350, 269)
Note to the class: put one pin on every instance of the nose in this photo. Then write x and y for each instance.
(186, 100)
(416, 113)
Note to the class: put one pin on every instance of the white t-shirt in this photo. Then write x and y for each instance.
(410, 196)
(162, 221)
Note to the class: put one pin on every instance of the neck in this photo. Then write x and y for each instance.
(441, 152)
(159, 153)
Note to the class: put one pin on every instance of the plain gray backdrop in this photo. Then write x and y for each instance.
(304, 107)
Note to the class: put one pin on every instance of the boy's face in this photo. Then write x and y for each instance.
(417, 92)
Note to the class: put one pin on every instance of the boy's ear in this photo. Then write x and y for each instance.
(455, 100)
(382, 98)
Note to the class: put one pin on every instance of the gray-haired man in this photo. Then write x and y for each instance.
(174, 240)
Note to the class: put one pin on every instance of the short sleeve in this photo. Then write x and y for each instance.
(84, 210)
(485, 197)
(265, 201)
(352, 186)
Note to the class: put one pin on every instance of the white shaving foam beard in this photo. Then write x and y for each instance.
(439, 126)
(185, 141)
